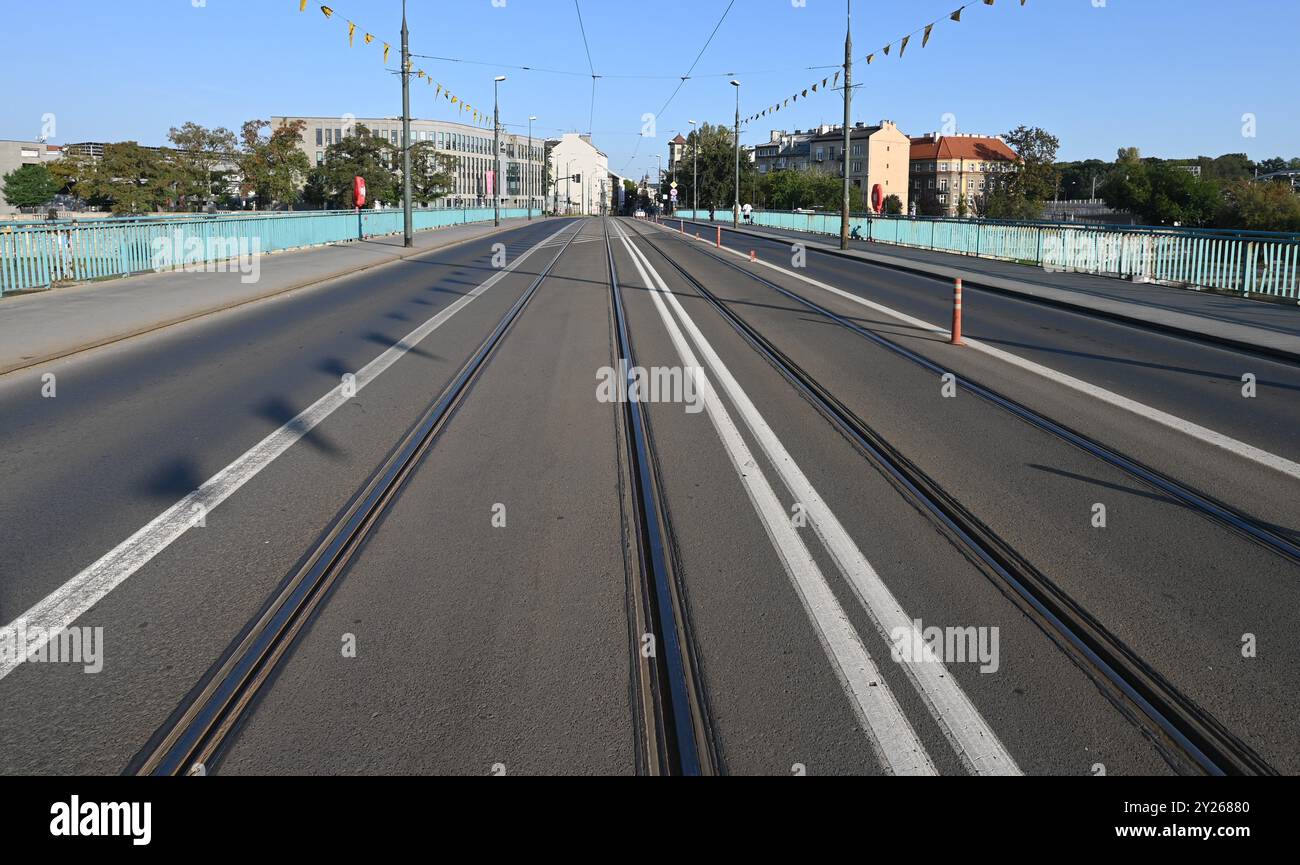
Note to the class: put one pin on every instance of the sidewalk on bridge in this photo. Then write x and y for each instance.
(36, 328)
(1260, 326)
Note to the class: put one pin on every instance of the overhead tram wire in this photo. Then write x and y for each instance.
(684, 79)
(582, 27)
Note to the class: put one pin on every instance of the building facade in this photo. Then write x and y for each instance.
(575, 156)
(950, 174)
(522, 166)
(878, 156)
(15, 154)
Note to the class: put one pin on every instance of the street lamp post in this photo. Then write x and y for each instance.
(408, 220)
(532, 181)
(848, 128)
(496, 149)
(695, 181)
(659, 194)
(735, 212)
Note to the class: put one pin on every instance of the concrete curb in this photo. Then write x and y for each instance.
(392, 258)
(1110, 310)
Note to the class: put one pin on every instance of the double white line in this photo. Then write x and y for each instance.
(891, 735)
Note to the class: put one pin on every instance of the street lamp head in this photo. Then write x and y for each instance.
(692, 122)
(735, 83)
(500, 78)
(532, 118)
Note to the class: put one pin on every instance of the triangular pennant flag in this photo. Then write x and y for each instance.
(814, 88)
(386, 49)
(956, 16)
(302, 5)
(837, 79)
(903, 47)
(887, 47)
(352, 34)
(870, 57)
(824, 80)
(925, 40)
(368, 39)
(329, 13)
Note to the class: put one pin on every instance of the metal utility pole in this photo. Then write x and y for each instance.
(695, 183)
(532, 180)
(496, 150)
(735, 211)
(408, 219)
(848, 127)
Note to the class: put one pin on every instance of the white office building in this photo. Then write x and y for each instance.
(574, 156)
(521, 167)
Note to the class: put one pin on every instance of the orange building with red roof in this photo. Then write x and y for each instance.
(951, 173)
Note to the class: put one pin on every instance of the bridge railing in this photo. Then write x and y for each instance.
(1265, 263)
(40, 254)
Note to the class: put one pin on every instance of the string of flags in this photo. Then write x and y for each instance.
(466, 111)
(833, 82)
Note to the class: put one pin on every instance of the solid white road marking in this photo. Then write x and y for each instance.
(890, 733)
(70, 601)
(1209, 436)
(970, 735)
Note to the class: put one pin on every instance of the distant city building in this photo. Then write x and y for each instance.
(1291, 176)
(523, 170)
(676, 150)
(575, 156)
(15, 154)
(948, 171)
(878, 156)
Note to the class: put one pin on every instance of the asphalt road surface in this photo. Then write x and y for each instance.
(493, 620)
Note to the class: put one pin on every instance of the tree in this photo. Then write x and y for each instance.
(1268, 166)
(129, 178)
(29, 186)
(362, 155)
(273, 165)
(198, 152)
(433, 174)
(717, 168)
(893, 205)
(71, 172)
(1261, 206)
(1020, 194)
(1159, 193)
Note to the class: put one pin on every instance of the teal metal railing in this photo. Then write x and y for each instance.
(40, 254)
(1250, 263)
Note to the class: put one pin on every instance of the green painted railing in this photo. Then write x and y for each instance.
(40, 254)
(1249, 263)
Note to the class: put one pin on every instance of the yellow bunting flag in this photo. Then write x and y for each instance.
(925, 40)
(329, 13)
(302, 5)
(956, 16)
(870, 57)
(368, 39)
(386, 49)
(352, 34)
(903, 47)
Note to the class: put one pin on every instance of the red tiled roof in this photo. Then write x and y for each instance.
(678, 140)
(950, 147)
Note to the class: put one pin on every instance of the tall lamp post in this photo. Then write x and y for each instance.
(659, 192)
(848, 129)
(735, 212)
(695, 182)
(532, 180)
(496, 149)
(408, 220)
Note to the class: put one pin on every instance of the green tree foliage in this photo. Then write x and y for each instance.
(273, 166)
(1159, 193)
(433, 174)
(893, 205)
(361, 155)
(1259, 207)
(29, 186)
(129, 179)
(717, 168)
(807, 190)
(1020, 194)
(194, 160)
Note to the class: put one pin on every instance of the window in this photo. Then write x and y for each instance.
(320, 135)
(943, 183)
(943, 166)
(320, 157)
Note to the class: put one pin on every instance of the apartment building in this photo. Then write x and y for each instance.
(522, 164)
(15, 154)
(878, 156)
(951, 173)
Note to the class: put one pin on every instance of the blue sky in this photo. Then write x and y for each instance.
(1173, 77)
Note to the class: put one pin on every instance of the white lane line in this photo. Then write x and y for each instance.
(969, 734)
(1186, 427)
(890, 734)
(66, 604)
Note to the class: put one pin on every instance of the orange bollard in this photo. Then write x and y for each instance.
(753, 256)
(719, 237)
(681, 225)
(956, 314)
